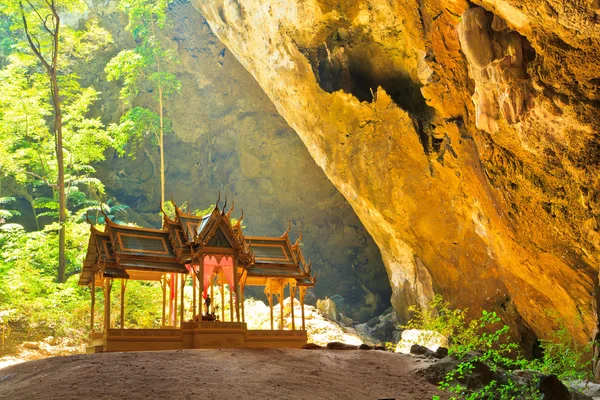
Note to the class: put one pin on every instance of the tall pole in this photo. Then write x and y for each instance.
(174, 311)
(212, 292)
(281, 290)
(93, 305)
(236, 286)
(271, 304)
(122, 324)
(222, 295)
(164, 305)
(183, 277)
(194, 292)
(107, 287)
(243, 287)
(201, 288)
(302, 293)
(292, 298)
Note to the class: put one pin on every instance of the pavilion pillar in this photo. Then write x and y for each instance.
(236, 287)
(281, 294)
(201, 288)
(93, 311)
(292, 298)
(222, 295)
(183, 277)
(302, 293)
(107, 287)
(164, 302)
(242, 290)
(123, 286)
(174, 296)
(271, 303)
(194, 293)
(212, 293)
(231, 290)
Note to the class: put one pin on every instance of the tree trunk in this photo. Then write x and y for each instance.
(62, 200)
(52, 26)
(162, 147)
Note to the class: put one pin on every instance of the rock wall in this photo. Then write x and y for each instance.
(465, 137)
(228, 136)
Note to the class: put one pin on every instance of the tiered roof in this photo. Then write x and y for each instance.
(122, 251)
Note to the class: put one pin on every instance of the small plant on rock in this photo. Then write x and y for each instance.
(489, 364)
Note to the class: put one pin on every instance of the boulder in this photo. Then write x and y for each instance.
(553, 389)
(341, 346)
(311, 346)
(346, 321)
(591, 390)
(430, 339)
(328, 309)
(424, 351)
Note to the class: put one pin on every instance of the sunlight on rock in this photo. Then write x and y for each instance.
(430, 339)
(320, 330)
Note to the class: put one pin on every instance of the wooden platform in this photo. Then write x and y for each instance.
(195, 335)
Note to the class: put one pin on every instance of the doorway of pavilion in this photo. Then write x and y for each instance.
(217, 272)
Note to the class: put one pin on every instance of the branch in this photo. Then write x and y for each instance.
(52, 185)
(44, 20)
(30, 41)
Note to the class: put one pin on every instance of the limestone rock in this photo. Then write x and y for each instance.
(428, 339)
(346, 321)
(228, 135)
(553, 389)
(380, 94)
(320, 330)
(328, 309)
(341, 346)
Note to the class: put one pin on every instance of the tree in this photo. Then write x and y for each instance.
(30, 149)
(145, 64)
(51, 27)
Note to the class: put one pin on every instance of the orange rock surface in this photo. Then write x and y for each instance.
(465, 137)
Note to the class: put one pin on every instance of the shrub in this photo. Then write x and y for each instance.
(485, 341)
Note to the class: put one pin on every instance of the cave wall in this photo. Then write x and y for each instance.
(228, 136)
(464, 135)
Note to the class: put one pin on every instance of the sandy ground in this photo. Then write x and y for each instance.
(219, 374)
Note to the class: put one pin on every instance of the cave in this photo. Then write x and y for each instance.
(353, 64)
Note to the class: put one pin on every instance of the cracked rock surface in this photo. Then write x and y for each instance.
(464, 135)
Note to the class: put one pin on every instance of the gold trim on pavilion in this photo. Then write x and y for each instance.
(160, 255)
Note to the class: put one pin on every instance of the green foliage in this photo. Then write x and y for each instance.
(5, 215)
(134, 128)
(143, 304)
(34, 306)
(450, 323)
(485, 341)
(115, 212)
(41, 307)
(145, 65)
(27, 137)
(563, 356)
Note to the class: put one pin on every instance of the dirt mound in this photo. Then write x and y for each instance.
(219, 374)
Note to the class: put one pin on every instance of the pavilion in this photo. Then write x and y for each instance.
(212, 251)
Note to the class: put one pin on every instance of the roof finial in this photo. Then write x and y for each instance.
(288, 228)
(239, 221)
(231, 209)
(225, 205)
(218, 200)
(298, 240)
